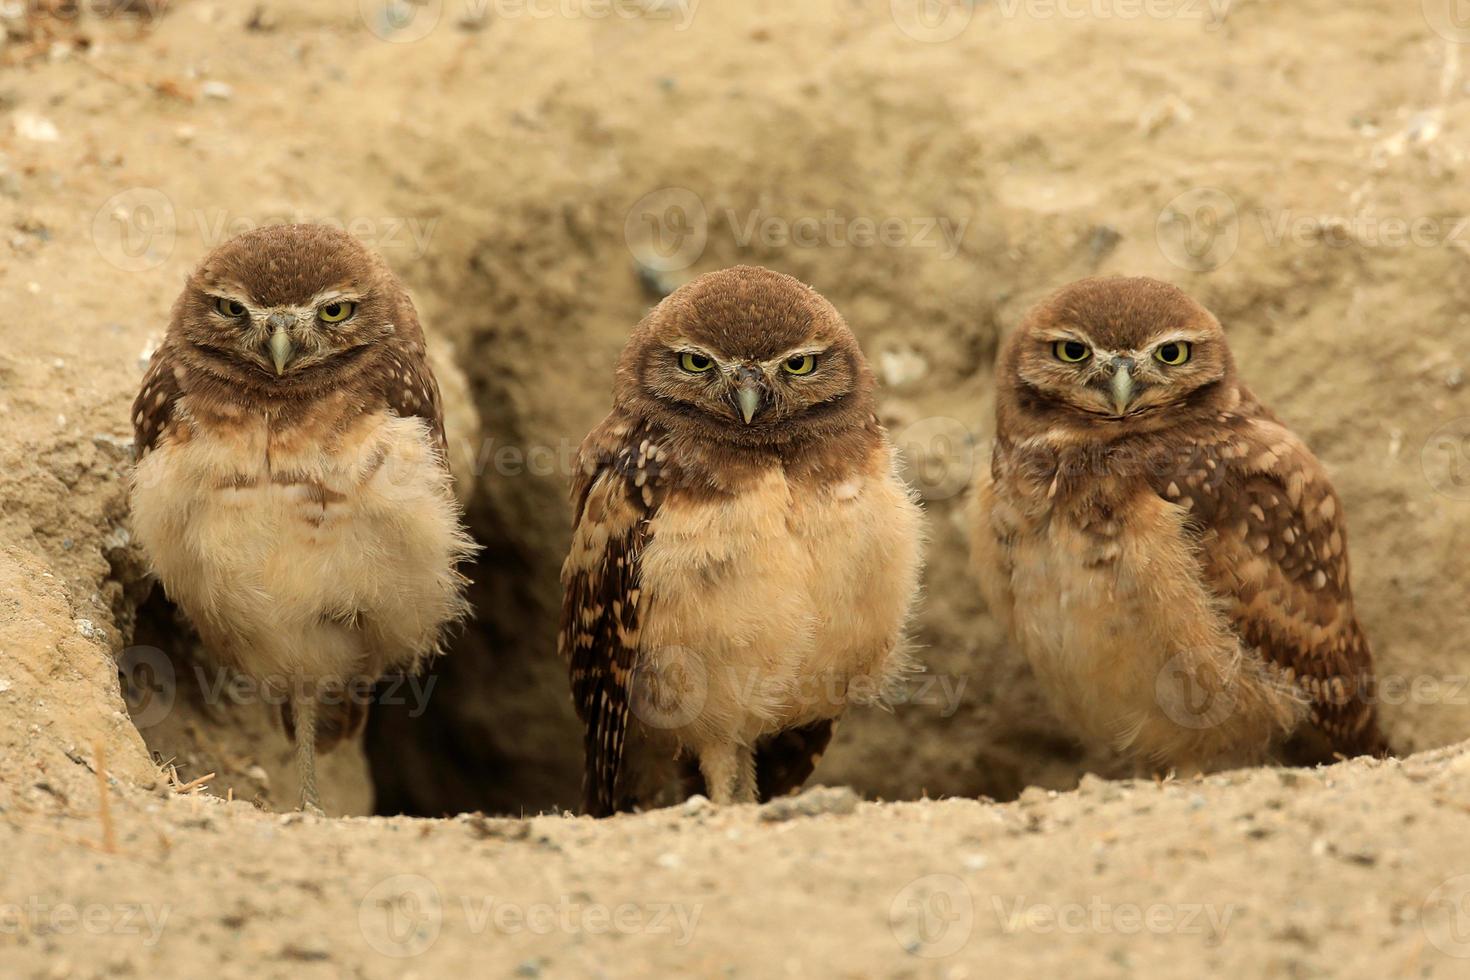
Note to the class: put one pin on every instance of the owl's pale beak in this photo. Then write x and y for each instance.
(282, 349)
(748, 393)
(749, 398)
(1122, 384)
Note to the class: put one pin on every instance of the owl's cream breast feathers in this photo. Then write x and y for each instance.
(267, 534)
(1126, 639)
(786, 600)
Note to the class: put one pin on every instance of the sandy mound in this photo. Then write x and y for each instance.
(538, 181)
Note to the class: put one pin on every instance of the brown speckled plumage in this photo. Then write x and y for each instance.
(1193, 535)
(291, 488)
(722, 566)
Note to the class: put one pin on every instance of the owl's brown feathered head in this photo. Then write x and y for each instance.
(747, 357)
(1115, 354)
(288, 309)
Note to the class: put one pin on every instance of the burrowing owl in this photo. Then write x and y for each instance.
(1169, 556)
(291, 489)
(745, 555)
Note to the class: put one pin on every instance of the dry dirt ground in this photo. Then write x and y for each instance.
(538, 173)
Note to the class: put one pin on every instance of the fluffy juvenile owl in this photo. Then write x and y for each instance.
(1170, 557)
(291, 489)
(744, 555)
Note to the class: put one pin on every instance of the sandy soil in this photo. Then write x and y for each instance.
(537, 181)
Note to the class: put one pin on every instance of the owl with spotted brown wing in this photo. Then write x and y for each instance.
(1169, 556)
(745, 556)
(291, 488)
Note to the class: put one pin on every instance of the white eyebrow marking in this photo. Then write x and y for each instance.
(805, 351)
(1177, 337)
(230, 293)
(336, 294)
(1053, 334)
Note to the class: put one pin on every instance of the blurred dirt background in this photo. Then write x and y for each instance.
(539, 173)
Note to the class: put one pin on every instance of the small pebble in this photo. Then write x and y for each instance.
(309, 951)
(37, 129)
(90, 630)
(838, 800)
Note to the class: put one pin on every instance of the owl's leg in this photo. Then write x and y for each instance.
(720, 764)
(304, 709)
(729, 773)
(745, 785)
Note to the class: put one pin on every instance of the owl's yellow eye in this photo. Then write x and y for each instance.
(1175, 352)
(805, 364)
(335, 312)
(230, 308)
(1071, 351)
(695, 363)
